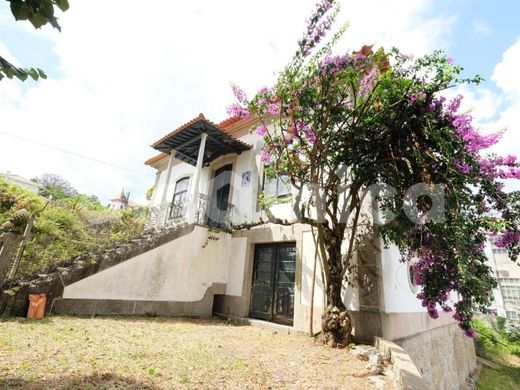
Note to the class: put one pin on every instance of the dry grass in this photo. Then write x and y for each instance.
(159, 353)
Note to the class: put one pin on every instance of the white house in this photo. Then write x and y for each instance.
(120, 201)
(507, 272)
(208, 179)
(20, 181)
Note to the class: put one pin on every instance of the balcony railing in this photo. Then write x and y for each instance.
(214, 214)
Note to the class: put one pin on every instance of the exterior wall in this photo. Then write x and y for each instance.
(305, 253)
(180, 270)
(399, 296)
(508, 274)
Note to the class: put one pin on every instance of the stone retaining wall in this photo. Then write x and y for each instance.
(444, 356)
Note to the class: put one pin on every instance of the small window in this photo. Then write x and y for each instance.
(513, 315)
(180, 197)
(278, 186)
(411, 275)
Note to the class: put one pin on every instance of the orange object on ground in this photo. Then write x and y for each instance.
(37, 304)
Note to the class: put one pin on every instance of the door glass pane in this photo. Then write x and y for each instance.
(285, 276)
(262, 282)
(218, 207)
(272, 295)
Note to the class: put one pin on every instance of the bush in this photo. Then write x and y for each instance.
(64, 228)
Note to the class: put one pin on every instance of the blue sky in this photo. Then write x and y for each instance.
(119, 80)
(482, 32)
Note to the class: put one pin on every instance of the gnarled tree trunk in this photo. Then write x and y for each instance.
(335, 321)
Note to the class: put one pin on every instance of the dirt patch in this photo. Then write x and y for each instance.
(158, 353)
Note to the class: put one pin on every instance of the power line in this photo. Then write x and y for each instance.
(74, 154)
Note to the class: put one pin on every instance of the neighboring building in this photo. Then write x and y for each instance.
(121, 201)
(507, 272)
(20, 181)
(208, 178)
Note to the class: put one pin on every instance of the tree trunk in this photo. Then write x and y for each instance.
(335, 321)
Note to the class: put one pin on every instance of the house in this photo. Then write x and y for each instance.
(507, 272)
(20, 181)
(120, 201)
(208, 177)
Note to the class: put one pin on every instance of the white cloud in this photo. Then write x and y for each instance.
(481, 28)
(507, 78)
(134, 70)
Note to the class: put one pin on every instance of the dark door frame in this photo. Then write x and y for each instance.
(213, 202)
(271, 314)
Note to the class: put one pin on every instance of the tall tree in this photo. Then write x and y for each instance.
(38, 13)
(340, 126)
(55, 186)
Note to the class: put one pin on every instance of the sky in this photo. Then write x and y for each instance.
(123, 73)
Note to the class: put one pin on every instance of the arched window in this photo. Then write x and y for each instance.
(180, 197)
(410, 264)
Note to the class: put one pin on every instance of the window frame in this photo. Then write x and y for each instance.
(279, 178)
(175, 207)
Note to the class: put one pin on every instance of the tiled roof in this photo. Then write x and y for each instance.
(154, 159)
(222, 127)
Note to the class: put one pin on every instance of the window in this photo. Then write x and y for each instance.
(180, 197)
(411, 275)
(513, 315)
(500, 251)
(277, 186)
(510, 288)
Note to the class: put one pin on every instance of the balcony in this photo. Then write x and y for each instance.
(208, 213)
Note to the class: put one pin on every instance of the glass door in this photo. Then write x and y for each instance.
(218, 206)
(272, 292)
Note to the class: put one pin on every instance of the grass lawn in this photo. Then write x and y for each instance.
(507, 374)
(157, 353)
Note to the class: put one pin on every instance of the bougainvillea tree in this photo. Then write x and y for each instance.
(337, 125)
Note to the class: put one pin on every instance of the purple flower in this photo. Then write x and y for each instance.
(311, 137)
(261, 130)
(273, 109)
(463, 167)
(238, 92)
(238, 111)
(265, 155)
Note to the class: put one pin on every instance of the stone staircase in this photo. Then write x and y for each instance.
(52, 281)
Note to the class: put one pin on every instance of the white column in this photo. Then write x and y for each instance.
(195, 184)
(155, 188)
(168, 174)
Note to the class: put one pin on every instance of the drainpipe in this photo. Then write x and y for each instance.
(195, 185)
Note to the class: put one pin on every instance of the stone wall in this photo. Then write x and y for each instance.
(444, 356)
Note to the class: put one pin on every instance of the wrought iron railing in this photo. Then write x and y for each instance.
(214, 213)
(208, 213)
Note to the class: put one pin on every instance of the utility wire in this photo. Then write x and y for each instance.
(74, 153)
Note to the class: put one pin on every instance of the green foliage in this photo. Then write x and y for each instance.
(65, 228)
(149, 193)
(500, 323)
(38, 13)
(493, 345)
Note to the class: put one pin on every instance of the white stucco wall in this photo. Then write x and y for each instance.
(398, 295)
(181, 270)
(308, 256)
